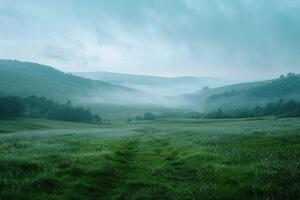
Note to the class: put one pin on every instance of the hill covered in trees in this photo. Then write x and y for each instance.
(25, 79)
(285, 88)
(198, 99)
(280, 108)
(40, 107)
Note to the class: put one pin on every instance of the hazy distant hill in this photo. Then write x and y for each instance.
(198, 99)
(111, 101)
(162, 86)
(260, 93)
(25, 78)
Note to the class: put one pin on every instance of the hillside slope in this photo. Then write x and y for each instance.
(285, 88)
(25, 78)
(198, 99)
(160, 86)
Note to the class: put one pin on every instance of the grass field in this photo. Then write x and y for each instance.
(164, 159)
(7, 126)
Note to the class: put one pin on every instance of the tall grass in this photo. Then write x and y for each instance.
(231, 159)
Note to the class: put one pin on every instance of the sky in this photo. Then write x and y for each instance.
(230, 39)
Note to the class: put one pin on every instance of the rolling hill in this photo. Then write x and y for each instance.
(198, 99)
(159, 86)
(25, 78)
(112, 96)
(260, 93)
(111, 101)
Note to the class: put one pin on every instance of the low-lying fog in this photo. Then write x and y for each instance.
(155, 85)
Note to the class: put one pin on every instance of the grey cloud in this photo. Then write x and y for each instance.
(211, 38)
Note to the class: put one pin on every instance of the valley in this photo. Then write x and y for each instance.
(68, 137)
(149, 100)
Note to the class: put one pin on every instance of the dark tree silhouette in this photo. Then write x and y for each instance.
(32, 106)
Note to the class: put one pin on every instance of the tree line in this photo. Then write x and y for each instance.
(280, 108)
(40, 107)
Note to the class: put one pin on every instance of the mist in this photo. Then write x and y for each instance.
(149, 99)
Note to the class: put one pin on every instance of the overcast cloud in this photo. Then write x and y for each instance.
(233, 39)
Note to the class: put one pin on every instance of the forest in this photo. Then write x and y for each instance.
(40, 107)
(279, 109)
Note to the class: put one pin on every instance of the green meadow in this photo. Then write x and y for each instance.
(162, 159)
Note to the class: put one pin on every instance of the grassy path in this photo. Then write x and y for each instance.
(159, 160)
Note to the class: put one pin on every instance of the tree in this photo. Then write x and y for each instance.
(297, 111)
(10, 107)
(149, 116)
(289, 75)
(288, 109)
(97, 119)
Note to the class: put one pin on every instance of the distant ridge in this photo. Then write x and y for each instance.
(26, 78)
(166, 86)
(97, 74)
(246, 95)
(284, 88)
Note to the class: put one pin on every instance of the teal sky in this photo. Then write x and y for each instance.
(233, 39)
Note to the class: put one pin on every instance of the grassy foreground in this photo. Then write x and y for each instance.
(23, 124)
(166, 159)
